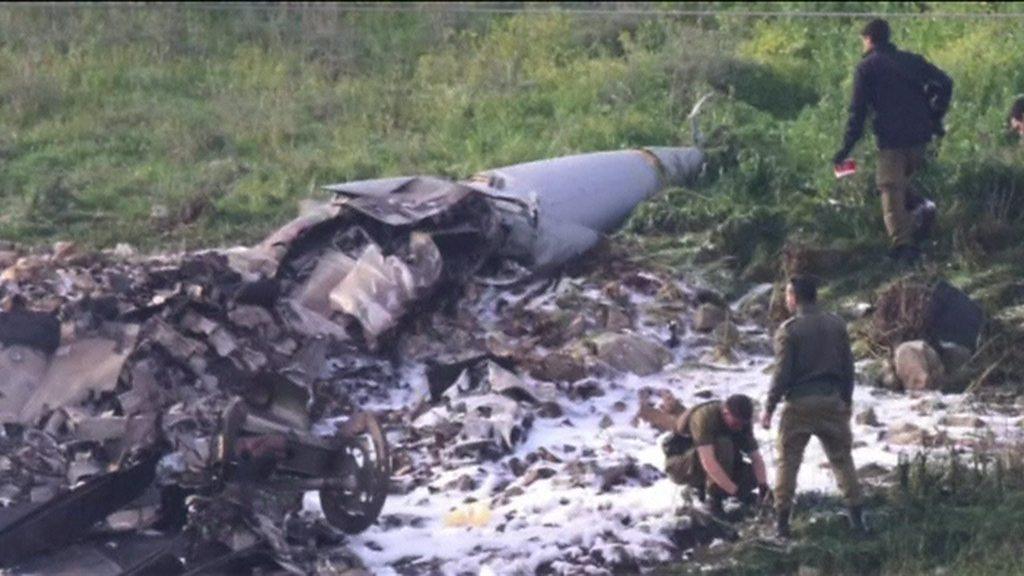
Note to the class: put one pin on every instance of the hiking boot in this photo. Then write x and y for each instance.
(856, 518)
(782, 525)
(713, 506)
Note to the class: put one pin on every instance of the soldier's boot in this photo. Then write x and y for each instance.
(856, 518)
(782, 524)
(713, 505)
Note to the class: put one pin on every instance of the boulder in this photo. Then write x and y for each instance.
(918, 366)
(631, 353)
(560, 367)
(708, 316)
(868, 418)
(907, 435)
(954, 356)
(727, 335)
(755, 303)
(916, 308)
(962, 421)
(876, 373)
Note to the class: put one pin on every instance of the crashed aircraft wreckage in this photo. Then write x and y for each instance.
(183, 407)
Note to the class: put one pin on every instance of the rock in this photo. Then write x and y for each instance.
(872, 470)
(631, 353)
(918, 366)
(962, 421)
(877, 373)
(606, 422)
(912, 309)
(617, 320)
(953, 316)
(587, 389)
(906, 434)
(755, 303)
(550, 409)
(929, 406)
(560, 367)
(954, 356)
(868, 418)
(707, 317)
(727, 335)
(535, 474)
(709, 296)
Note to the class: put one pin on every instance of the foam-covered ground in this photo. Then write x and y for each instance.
(480, 518)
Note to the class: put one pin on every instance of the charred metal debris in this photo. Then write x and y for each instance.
(171, 414)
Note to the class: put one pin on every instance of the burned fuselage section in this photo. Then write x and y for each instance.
(200, 398)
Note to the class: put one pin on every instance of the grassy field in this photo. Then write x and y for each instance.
(198, 126)
(945, 519)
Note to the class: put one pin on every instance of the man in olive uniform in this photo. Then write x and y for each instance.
(909, 97)
(814, 374)
(707, 447)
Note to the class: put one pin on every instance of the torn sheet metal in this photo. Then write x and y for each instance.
(65, 518)
(402, 201)
(492, 422)
(31, 383)
(332, 268)
(379, 289)
(263, 260)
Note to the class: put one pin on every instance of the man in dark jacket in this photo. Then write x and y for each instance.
(909, 97)
(1015, 120)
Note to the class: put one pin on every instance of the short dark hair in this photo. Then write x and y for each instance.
(740, 406)
(805, 287)
(1017, 109)
(877, 30)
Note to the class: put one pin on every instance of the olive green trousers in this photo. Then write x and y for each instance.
(827, 418)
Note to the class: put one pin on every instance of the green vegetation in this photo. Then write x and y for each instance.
(949, 517)
(202, 126)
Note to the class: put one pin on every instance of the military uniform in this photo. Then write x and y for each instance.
(893, 176)
(814, 375)
(704, 425)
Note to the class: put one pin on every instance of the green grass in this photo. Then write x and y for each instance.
(178, 124)
(944, 520)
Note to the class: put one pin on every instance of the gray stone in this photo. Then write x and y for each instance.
(560, 367)
(962, 421)
(631, 353)
(954, 356)
(707, 317)
(918, 366)
(868, 418)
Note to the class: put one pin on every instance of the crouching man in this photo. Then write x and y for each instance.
(707, 448)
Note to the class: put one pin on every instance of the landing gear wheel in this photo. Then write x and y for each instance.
(363, 465)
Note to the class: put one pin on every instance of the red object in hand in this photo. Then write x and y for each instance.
(845, 168)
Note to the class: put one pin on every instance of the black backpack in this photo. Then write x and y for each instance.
(935, 84)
